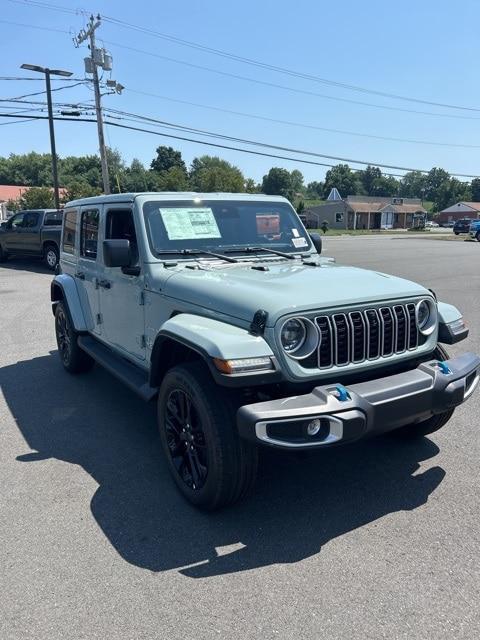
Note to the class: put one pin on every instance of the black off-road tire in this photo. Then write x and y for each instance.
(72, 357)
(51, 256)
(231, 462)
(434, 423)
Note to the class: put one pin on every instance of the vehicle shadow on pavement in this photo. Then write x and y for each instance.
(35, 265)
(300, 504)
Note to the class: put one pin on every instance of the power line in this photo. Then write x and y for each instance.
(39, 93)
(282, 70)
(284, 87)
(47, 5)
(33, 26)
(302, 125)
(271, 84)
(249, 151)
(251, 61)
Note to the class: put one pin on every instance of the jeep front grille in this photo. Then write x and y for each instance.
(353, 337)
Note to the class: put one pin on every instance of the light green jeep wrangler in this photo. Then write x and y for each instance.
(221, 307)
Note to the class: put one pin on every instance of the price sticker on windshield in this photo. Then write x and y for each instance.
(189, 223)
(299, 242)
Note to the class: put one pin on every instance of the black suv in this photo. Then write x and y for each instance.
(462, 226)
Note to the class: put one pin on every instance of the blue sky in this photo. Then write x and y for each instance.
(426, 50)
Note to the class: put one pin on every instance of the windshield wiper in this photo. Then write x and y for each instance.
(282, 254)
(196, 252)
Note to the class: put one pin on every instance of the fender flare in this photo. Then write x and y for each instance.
(210, 339)
(63, 287)
(447, 313)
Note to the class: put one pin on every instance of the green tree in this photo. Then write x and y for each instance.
(451, 191)
(167, 157)
(315, 189)
(475, 190)
(13, 205)
(436, 178)
(210, 173)
(369, 178)
(343, 178)
(37, 198)
(278, 182)
(251, 186)
(413, 185)
(175, 179)
(296, 181)
(79, 189)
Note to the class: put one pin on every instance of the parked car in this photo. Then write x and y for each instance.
(462, 226)
(475, 230)
(33, 233)
(221, 307)
(430, 224)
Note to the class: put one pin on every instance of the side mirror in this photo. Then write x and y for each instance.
(117, 253)
(317, 241)
(3, 225)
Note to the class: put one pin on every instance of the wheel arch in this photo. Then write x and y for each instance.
(63, 289)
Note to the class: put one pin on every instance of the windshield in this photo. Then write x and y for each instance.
(223, 225)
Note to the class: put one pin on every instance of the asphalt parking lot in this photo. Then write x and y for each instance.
(375, 540)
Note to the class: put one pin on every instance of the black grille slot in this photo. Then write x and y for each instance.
(374, 333)
(325, 352)
(401, 316)
(358, 336)
(412, 325)
(387, 321)
(342, 338)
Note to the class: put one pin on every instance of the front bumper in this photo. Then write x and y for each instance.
(348, 413)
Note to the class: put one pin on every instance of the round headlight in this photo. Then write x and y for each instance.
(423, 314)
(426, 315)
(293, 335)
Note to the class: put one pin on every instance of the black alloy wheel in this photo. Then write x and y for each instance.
(64, 336)
(186, 439)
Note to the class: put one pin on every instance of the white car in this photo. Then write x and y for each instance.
(430, 224)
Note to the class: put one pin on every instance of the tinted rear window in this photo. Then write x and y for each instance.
(53, 218)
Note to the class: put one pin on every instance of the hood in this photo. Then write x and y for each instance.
(238, 290)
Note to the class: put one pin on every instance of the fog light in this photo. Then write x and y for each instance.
(314, 427)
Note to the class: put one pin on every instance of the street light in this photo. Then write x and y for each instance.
(48, 72)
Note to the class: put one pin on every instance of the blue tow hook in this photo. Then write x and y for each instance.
(444, 368)
(341, 393)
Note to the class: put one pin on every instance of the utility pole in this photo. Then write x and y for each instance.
(48, 72)
(97, 57)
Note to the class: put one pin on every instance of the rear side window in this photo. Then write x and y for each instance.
(89, 234)
(69, 231)
(53, 218)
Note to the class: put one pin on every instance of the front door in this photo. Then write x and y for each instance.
(89, 271)
(121, 292)
(12, 236)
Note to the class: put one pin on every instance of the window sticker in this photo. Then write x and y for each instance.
(299, 242)
(295, 233)
(268, 223)
(190, 223)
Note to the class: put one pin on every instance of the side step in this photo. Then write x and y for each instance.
(134, 377)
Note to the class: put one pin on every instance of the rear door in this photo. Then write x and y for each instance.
(89, 271)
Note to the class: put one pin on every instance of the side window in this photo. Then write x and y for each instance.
(120, 226)
(30, 219)
(69, 231)
(89, 234)
(53, 218)
(17, 221)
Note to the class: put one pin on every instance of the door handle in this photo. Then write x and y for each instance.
(105, 284)
(80, 275)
